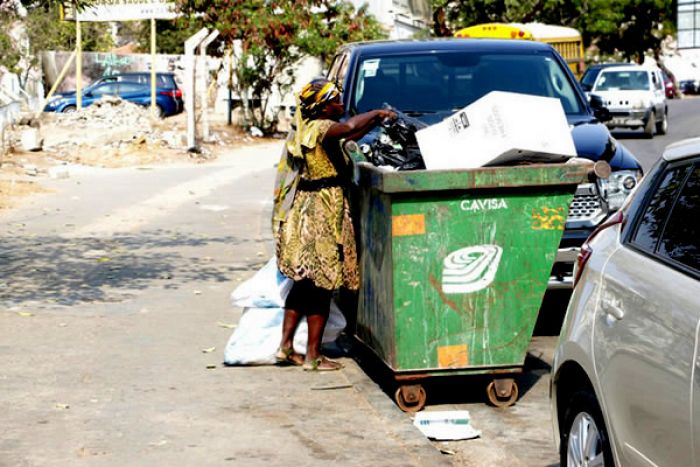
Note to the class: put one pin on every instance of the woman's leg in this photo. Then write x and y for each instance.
(317, 317)
(289, 327)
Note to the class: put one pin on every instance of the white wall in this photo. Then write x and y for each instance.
(402, 18)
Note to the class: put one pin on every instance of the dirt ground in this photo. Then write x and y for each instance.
(113, 134)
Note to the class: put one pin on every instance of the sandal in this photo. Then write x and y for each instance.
(288, 357)
(322, 364)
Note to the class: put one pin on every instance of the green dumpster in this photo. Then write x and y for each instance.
(454, 268)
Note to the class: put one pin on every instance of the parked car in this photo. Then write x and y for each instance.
(624, 387)
(689, 86)
(138, 93)
(635, 97)
(431, 79)
(592, 72)
(166, 81)
(669, 85)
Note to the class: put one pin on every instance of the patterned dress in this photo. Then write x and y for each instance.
(314, 238)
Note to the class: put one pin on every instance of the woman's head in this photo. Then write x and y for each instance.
(319, 98)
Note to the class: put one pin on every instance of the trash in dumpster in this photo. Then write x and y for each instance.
(396, 145)
(257, 336)
(501, 128)
(449, 425)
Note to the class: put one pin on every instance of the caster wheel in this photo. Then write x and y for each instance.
(499, 398)
(410, 398)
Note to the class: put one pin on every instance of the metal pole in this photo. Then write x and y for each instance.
(56, 83)
(78, 66)
(190, 45)
(153, 66)
(203, 78)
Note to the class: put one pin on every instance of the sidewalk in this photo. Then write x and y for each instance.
(113, 291)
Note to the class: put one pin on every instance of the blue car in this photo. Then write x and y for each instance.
(168, 100)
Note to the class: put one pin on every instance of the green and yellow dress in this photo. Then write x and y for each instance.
(314, 235)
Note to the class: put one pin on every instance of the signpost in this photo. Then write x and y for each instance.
(118, 10)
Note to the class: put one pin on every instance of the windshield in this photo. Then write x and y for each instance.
(623, 81)
(447, 82)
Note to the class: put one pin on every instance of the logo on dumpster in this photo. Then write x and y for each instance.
(470, 269)
(483, 204)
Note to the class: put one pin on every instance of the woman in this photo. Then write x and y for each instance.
(314, 236)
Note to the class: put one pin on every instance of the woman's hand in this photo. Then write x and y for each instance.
(387, 114)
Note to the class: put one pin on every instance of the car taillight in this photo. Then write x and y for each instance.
(586, 251)
(175, 93)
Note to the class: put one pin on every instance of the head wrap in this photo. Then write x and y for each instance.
(309, 103)
(315, 95)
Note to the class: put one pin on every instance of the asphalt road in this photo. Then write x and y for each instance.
(684, 122)
(113, 290)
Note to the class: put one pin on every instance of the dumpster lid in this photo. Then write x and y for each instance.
(390, 181)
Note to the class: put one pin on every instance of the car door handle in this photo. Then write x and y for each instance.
(613, 310)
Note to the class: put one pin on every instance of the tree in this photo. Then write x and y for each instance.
(271, 36)
(39, 30)
(630, 27)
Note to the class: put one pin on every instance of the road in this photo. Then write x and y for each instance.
(114, 289)
(684, 117)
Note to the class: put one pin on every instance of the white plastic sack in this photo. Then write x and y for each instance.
(257, 336)
(268, 288)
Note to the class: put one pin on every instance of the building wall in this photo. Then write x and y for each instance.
(402, 18)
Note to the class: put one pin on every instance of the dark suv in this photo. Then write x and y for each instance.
(431, 79)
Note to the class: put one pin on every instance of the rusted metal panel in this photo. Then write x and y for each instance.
(488, 177)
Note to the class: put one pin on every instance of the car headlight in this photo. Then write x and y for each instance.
(640, 104)
(616, 188)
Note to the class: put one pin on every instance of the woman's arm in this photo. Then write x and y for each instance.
(357, 126)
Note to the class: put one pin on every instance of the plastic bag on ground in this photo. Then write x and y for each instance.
(257, 336)
(268, 288)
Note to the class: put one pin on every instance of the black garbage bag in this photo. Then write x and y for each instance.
(396, 144)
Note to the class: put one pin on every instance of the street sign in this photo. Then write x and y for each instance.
(122, 10)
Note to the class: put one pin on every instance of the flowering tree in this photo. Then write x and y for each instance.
(272, 36)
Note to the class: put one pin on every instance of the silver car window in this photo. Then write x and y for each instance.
(652, 222)
(680, 241)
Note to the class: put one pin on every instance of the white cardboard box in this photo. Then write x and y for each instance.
(499, 128)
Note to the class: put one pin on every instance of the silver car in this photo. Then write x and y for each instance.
(626, 373)
(635, 97)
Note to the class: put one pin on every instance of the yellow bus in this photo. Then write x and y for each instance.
(567, 41)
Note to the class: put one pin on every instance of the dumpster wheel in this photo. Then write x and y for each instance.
(410, 397)
(499, 395)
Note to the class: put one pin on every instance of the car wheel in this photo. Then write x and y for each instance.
(662, 126)
(649, 127)
(69, 109)
(584, 438)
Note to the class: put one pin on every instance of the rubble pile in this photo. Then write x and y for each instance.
(120, 124)
(109, 112)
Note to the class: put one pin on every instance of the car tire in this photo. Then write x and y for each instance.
(662, 126)
(649, 126)
(583, 429)
(69, 109)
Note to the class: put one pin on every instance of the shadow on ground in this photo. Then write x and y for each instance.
(67, 271)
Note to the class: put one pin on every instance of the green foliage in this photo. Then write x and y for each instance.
(273, 35)
(10, 56)
(42, 30)
(626, 27)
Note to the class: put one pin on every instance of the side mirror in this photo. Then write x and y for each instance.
(599, 110)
